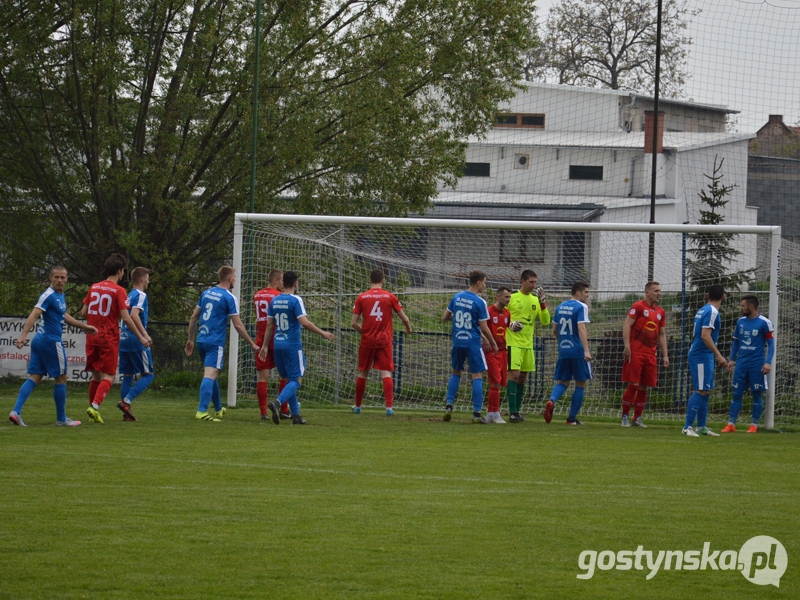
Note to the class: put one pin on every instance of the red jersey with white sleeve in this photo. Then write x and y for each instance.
(262, 299)
(498, 322)
(649, 321)
(375, 307)
(105, 300)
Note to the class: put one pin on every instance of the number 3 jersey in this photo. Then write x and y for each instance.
(104, 302)
(568, 315)
(286, 311)
(468, 309)
(375, 307)
(217, 305)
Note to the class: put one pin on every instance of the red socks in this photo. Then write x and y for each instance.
(103, 387)
(641, 400)
(388, 390)
(494, 398)
(628, 397)
(361, 386)
(261, 393)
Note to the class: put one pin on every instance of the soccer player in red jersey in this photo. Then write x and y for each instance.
(497, 362)
(644, 330)
(262, 299)
(104, 305)
(375, 307)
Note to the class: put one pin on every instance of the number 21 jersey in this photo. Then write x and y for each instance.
(375, 307)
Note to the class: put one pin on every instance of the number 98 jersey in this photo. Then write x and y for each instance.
(468, 309)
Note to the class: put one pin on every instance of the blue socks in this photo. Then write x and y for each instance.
(696, 404)
(215, 396)
(452, 388)
(576, 403)
(206, 391)
(558, 391)
(477, 394)
(24, 392)
(758, 406)
(127, 384)
(60, 397)
(736, 406)
(289, 394)
(141, 385)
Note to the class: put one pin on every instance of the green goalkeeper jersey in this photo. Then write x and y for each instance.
(525, 308)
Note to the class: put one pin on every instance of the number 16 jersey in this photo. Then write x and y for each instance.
(375, 307)
(286, 311)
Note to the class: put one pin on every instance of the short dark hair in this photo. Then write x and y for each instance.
(476, 277)
(716, 292)
(376, 276)
(579, 286)
(503, 288)
(275, 275)
(58, 268)
(649, 285)
(138, 274)
(527, 274)
(224, 272)
(751, 300)
(113, 264)
(289, 279)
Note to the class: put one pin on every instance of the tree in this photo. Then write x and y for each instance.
(125, 124)
(713, 253)
(612, 44)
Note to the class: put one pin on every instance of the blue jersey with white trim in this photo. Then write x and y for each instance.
(217, 305)
(128, 342)
(753, 337)
(568, 314)
(285, 311)
(54, 307)
(706, 318)
(468, 309)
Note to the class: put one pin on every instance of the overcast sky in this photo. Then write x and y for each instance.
(746, 55)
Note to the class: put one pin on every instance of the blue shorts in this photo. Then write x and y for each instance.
(291, 363)
(749, 378)
(211, 355)
(572, 368)
(131, 363)
(702, 373)
(474, 357)
(47, 358)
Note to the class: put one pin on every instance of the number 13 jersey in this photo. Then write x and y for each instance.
(375, 307)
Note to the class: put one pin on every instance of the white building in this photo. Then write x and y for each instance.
(577, 154)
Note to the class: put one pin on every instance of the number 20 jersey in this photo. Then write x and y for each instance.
(105, 300)
(375, 307)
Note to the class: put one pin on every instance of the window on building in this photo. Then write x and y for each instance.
(530, 121)
(522, 246)
(586, 172)
(476, 169)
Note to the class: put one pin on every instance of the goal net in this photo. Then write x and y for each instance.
(426, 261)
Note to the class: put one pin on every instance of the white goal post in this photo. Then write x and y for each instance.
(427, 261)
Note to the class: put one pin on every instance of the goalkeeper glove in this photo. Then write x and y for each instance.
(542, 297)
(517, 326)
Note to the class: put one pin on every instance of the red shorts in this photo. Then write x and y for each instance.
(643, 369)
(376, 358)
(269, 363)
(102, 358)
(497, 367)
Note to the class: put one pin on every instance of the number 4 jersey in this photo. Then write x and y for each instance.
(375, 307)
(104, 303)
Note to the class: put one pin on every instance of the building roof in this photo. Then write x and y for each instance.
(628, 94)
(677, 141)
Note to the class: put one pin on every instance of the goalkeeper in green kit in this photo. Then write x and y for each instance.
(525, 306)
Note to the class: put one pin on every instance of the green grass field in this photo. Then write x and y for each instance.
(371, 507)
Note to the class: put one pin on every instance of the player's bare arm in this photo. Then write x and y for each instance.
(766, 368)
(709, 342)
(35, 313)
(264, 351)
(487, 334)
(584, 335)
(313, 328)
(626, 337)
(138, 321)
(73, 322)
(447, 316)
(192, 330)
(126, 318)
(354, 322)
(662, 343)
(239, 327)
(405, 320)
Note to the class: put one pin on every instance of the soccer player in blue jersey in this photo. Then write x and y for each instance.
(702, 354)
(48, 355)
(286, 315)
(574, 357)
(753, 332)
(134, 358)
(216, 306)
(470, 317)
